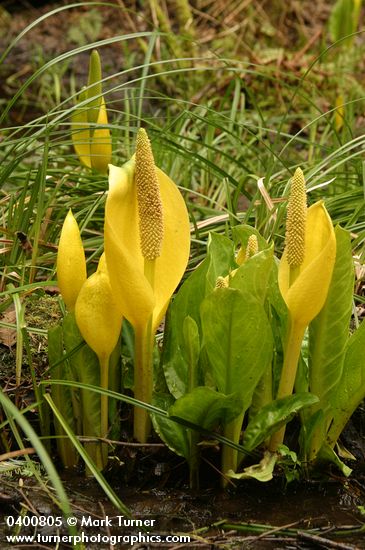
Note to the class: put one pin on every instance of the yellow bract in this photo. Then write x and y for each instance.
(71, 265)
(136, 298)
(97, 315)
(307, 295)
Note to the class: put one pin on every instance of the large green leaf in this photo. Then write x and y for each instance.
(191, 350)
(187, 303)
(273, 416)
(173, 434)
(238, 341)
(206, 407)
(329, 331)
(351, 388)
(254, 274)
(62, 396)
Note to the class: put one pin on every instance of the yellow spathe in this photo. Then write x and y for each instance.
(307, 295)
(97, 314)
(71, 265)
(136, 298)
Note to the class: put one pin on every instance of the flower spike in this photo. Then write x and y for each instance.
(252, 247)
(296, 220)
(149, 200)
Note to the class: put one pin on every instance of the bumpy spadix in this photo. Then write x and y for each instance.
(150, 212)
(296, 220)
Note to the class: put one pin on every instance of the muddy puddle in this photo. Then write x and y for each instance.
(254, 515)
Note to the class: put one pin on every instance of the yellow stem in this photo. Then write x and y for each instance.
(143, 367)
(286, 385)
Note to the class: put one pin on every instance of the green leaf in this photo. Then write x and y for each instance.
(206, 407)
(62, 396)
(273, 416)
(238, 341)
(351, 388)
(261, 472)
(220, 259)
(327, 454)
(254, 274)
(174, 435)
(312, 425)
(329, 331)
(187, 303)
(191, 349)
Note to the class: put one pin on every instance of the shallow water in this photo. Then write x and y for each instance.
(309, 508)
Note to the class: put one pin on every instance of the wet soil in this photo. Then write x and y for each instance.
(262, 516)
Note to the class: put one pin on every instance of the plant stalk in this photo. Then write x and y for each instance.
(292, 349)
(143, 381)
(104, 424)
(230, 457)
(143, 367)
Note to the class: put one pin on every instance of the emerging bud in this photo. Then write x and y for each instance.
(296, 220)
(222, 282)
(148, 198)
(91, 139)
(71, 265)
